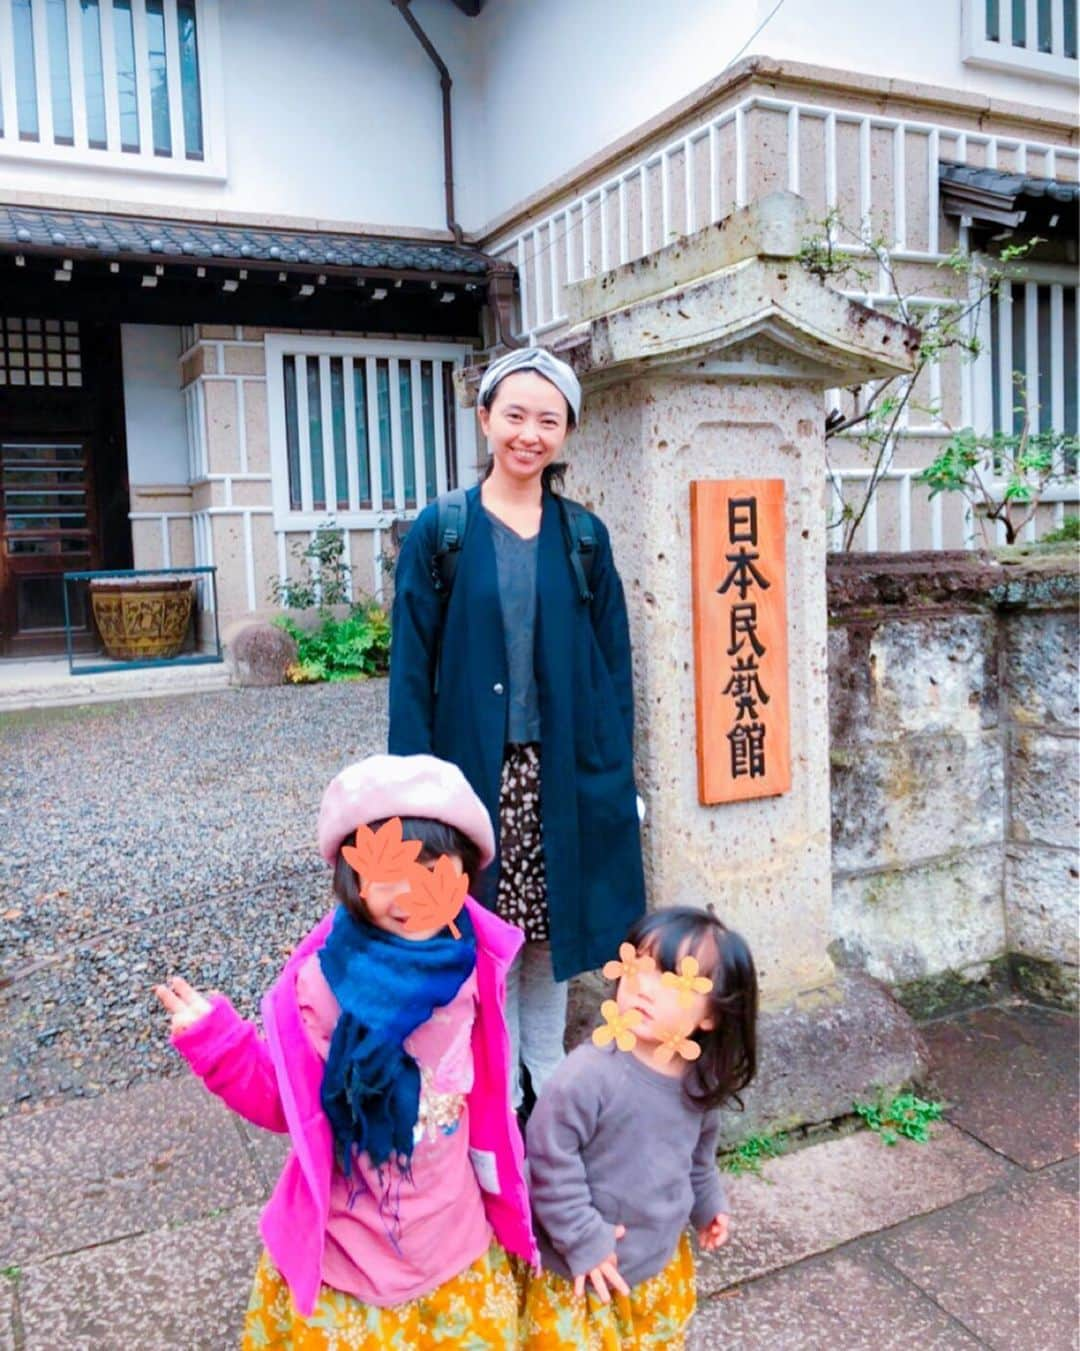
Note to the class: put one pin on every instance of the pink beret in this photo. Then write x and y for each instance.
(402, 785)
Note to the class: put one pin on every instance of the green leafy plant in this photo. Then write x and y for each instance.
(1067, 532)
(946, 328)
(1002, 477)
(324, 576)
(904, 1115)
(11, 1273)
(340, 649)
(749, 1154)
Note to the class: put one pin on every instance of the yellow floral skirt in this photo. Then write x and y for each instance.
(477, 1309)
(654, 1314)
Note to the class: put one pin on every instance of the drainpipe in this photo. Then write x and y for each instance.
(402, 6)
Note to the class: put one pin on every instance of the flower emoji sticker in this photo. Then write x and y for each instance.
(617, 1026)
(687, 981)
(629, 965)
(676, 1041)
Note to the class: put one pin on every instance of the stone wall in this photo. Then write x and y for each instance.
(954, 746)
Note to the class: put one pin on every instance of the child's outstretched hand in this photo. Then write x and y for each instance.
(183, 1002)
(604, 1274)
(715, 1234)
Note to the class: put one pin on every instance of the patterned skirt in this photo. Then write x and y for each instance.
(521, 899)
(477, 1309)
(654, 1314)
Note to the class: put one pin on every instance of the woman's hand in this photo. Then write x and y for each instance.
(604, 1274)
(715, 1234)
(183, 1002)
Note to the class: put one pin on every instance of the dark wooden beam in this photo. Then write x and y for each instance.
(411, 310)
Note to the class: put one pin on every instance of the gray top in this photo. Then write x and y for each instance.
(515, 562)
(610, 1142)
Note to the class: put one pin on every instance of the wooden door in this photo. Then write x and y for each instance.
(48, 526)
(63, 485)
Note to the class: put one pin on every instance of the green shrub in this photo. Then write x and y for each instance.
(324, 579)
(340, 649)
(1067, 532)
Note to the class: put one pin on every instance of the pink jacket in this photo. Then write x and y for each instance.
(275, 1083)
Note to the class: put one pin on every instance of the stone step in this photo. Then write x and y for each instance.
(48, 683)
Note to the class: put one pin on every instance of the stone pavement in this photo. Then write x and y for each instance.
(129, 1220)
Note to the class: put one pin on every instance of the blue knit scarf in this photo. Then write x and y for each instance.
(386, 986)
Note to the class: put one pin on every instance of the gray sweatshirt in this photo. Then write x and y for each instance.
(610, 1142)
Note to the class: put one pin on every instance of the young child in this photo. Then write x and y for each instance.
(622, 1143)
(385, 1057)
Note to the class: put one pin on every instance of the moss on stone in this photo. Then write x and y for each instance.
(1043, 981)
(953, 991)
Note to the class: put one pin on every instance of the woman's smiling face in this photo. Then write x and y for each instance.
(526, 425)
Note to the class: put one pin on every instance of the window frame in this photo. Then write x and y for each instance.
(277, 346)
(210, 168)
(997, 54)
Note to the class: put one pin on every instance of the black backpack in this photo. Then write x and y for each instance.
(578, 531)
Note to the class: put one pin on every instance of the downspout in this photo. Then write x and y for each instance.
(402, 6)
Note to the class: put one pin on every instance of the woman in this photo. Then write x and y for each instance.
(527, 686)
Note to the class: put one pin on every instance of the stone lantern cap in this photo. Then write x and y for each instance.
(732, 299)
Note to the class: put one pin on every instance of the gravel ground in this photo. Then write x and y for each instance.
(158, 836)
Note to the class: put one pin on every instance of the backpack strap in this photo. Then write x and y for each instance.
(580, 533)
(453, 511)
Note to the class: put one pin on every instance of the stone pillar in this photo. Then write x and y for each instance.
(709, 360)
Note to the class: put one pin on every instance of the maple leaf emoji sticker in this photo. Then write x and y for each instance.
(617, 1026)
(435, 897)
(629, 965)
(687, 981)
(381, 856)
(676, 1041)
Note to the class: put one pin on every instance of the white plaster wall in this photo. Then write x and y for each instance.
(157, 450)
(332, 111)
(564, 78)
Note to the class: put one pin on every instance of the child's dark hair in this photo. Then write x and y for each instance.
(728, 1059)
(435, 838)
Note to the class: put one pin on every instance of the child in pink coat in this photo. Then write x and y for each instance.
(385, 1058)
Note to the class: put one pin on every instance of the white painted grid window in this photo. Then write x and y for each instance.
(363, 431)
(129, 84)
(1033, 360)
(1035, 36)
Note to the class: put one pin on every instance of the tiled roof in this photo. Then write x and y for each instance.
(116, 236)
(1004, 184)
(1006, 198)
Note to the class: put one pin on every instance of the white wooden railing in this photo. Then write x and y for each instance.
(883, 528)
(878, 173)
(653, 199)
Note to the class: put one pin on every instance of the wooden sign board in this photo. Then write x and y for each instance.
(740, 638)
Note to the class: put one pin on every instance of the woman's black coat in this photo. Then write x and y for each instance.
(449, 697)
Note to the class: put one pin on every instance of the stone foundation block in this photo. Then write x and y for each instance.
(1044, 793)
(1042, 887)
(910, 799)
(905, 925)
(909, 676)
(1041, 673)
